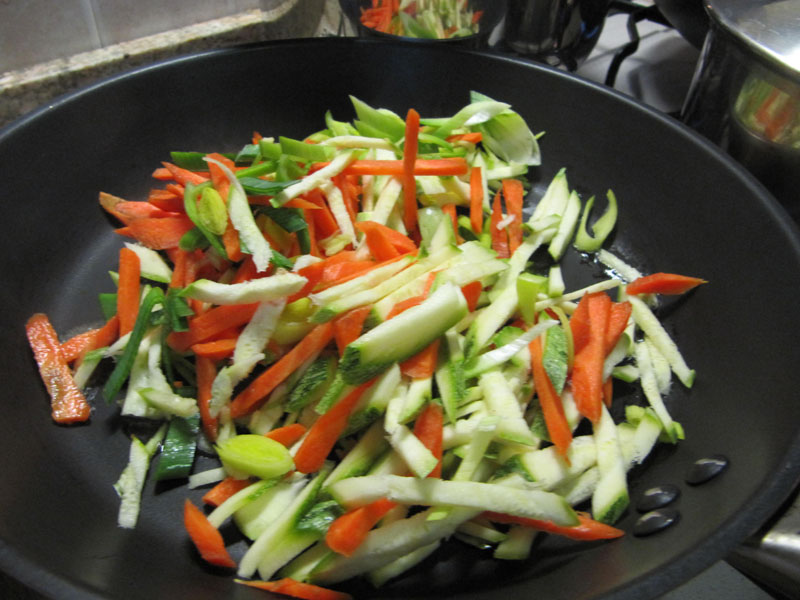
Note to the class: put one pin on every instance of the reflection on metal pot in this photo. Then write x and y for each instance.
(745, 95)
(555, 31)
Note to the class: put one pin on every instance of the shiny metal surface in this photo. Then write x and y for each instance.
(558, 32)
(773, 558)
(768, 28)
(745, 94)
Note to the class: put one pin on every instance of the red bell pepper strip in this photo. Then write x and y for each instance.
(663, 283)
(297, 589)
(588, 529)
(587, 370)
(67, 402)
(206, 538)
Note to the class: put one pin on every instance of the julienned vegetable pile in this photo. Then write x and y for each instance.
(351, 323)
(427, 19)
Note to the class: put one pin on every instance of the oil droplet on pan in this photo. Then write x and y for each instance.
(705, 469)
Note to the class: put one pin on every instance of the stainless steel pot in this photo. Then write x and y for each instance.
(745, 95)
(557, 32)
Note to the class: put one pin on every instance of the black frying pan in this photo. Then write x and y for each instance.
(684, 208)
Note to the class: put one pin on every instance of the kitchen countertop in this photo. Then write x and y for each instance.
(659, 74)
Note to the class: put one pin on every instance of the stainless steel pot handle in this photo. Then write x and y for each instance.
(773, 557)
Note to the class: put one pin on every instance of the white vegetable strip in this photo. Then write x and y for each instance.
(243, 221)
(647, 377)
(263, 289)
(316, 179)
(652, 328)
(131, 480)
(534, 504)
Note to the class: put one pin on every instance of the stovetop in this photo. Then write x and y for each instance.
(658, 73)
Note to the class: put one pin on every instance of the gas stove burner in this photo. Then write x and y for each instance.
(636, 13)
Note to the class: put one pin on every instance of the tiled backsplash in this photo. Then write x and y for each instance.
(49, 47)
(36, 31)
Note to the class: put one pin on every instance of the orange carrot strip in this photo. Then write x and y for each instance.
(297, 589)
(514, 195)
(617, 322)
(224, 490)
(473, 137)
(349, 531)
(588, 529)
(255, 394)
(379, 244)
(499, 236)
(405, 305)
(476, 200)
(78, 345)
(579, 326)
(206, 373)
(348, 326)
(179, 258)
(211, 323)
(162, 174)
(216, 349)
(246, 271)
(340, 272)
(230, 240)
(324, 221)
(166, 200)
(423, 363)
(429, 428)
(409, 158)
(184, 176)
(159, 233)
(472, 293)
(67, 402)
(326, 430)
(552, 407)
(663, 283)
(608, 391)
(127, 212)
(288, 434)
(432, 166)
(587, 370)
(401, 242)
(450, 210)
(218, 178)
(128, 291)
(206, 538)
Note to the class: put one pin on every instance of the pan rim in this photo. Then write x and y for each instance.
(762, 504)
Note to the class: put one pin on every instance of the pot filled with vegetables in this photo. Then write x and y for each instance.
(396, 339)
(468, 23)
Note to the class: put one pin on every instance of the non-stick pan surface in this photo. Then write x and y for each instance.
(683, 208)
